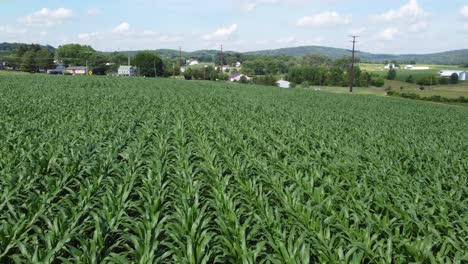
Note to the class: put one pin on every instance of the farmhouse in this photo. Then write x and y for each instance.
(390, 66)
(462, 75)
(194, 62)
(283, 84)
(236, 77)
(127, 71)
(77, 70)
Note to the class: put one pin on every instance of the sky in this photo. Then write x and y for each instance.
(384, 26)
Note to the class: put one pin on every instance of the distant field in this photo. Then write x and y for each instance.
(448, 91)
(143, 170)
(433, 67)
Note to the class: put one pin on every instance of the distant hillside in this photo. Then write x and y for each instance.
(455, 57)
(449, 57)
(14, 46)
(170, 53)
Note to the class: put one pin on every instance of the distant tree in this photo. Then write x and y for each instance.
(454, 78)
(76, 55)
(314, 60)
(391, 74)
(147, 62)
(44, 59)
(28, 62)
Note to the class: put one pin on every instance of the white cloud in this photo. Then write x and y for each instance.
(325, 18)
(221, 33)
(48, 17)
(93, 12)
(287, 40)
(87, 36)
(357, 31)
(411, 10)
(12, 30)
(252, 4)
(417, 27)
(465, 26)
(149, 33)
(389, 33)
(122, 28)
(464, 11)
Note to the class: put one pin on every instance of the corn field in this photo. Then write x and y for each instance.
(120, 170)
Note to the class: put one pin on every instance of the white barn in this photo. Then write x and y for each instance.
(414, 68)
(127, 71)
(462, 75)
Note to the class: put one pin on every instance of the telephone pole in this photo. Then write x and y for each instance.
(351, 70)
(221, 58)
(180, 57)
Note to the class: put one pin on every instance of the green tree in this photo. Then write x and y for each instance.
(76, 55)
(391, 74)
(147, 62)
(44, 59)
(28, 61)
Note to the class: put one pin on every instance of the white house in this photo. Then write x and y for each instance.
(236, 77)
(77, 70)
(127, 71)
(283, 84)
(194, 62)
(238, 64)
(462, 75)
(390, 66)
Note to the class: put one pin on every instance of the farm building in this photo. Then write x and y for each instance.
(390, 66)
(194, 62)
(127, 71)
(236, 77)
(77, 70)
(414, 68)
(59, 69)
(283, 84)
(462, 75)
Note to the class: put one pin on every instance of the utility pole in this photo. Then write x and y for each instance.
(221, 59)
(129, 60)
(180, 57)
(351, 70)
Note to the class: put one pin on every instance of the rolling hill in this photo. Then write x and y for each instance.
(455, 57)
(449, 57)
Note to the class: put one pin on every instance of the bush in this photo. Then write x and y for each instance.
(421, 88)
(443, 81)
(410, 79)
(378, 82)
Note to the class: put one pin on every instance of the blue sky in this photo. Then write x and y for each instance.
(398, 26)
